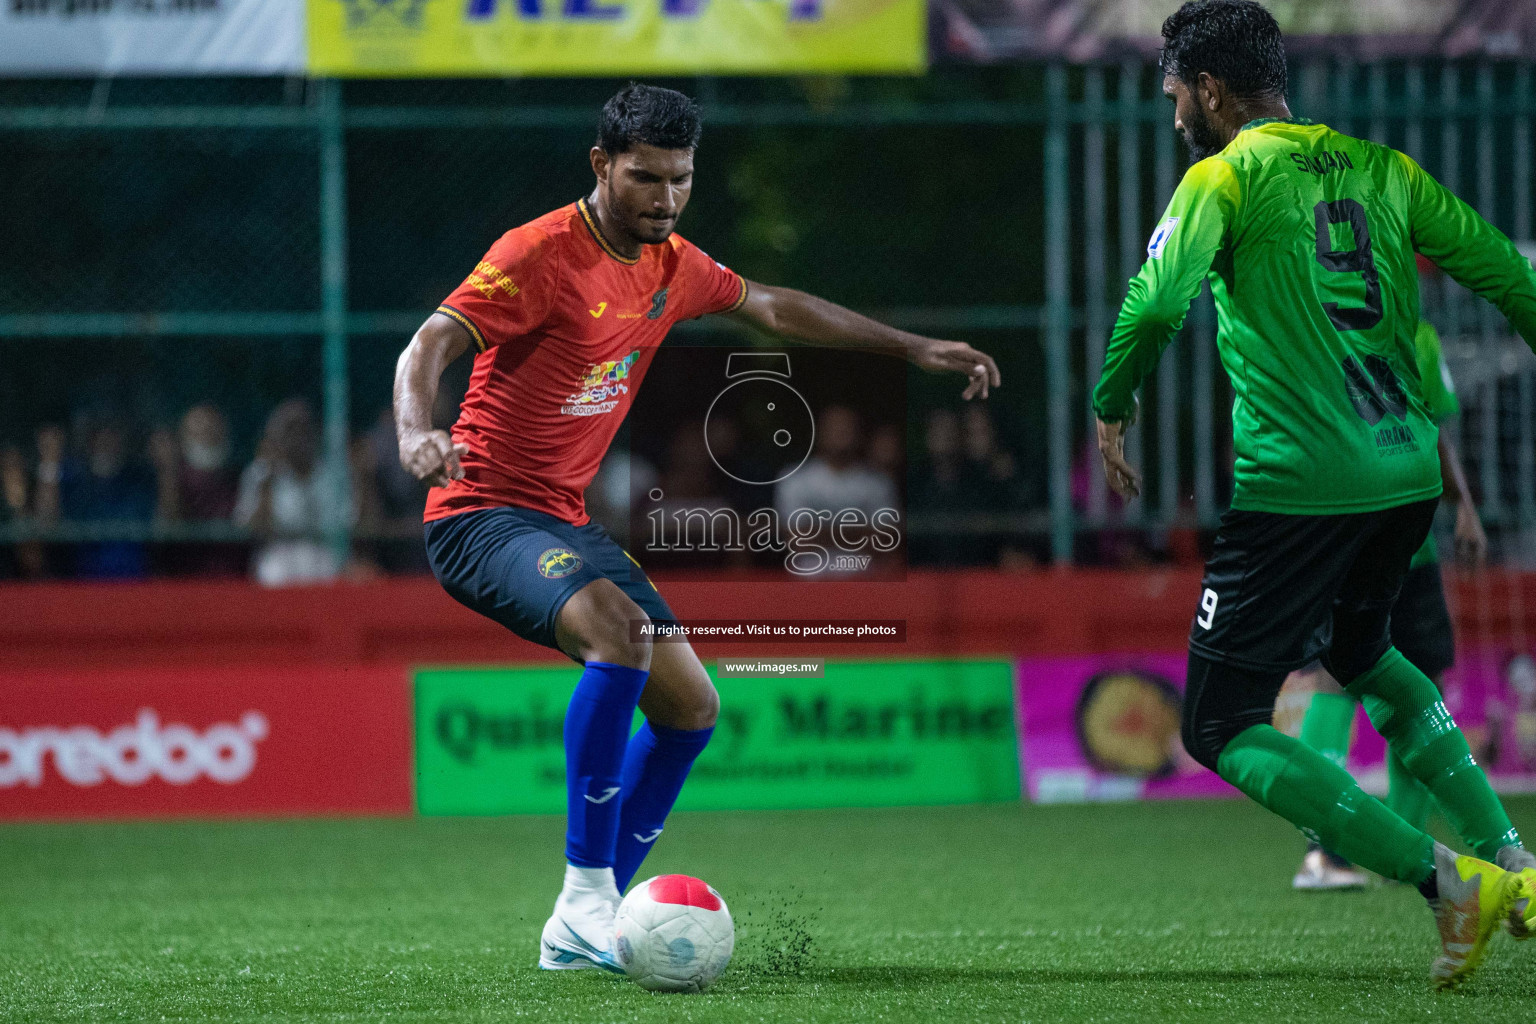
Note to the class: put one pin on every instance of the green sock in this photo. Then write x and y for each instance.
(1406, 795)
(1405, 707)
(1321, 799)
(1329, 721)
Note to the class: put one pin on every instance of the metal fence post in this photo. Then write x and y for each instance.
(1526, 463)
(333, 304)
(1094, 267)
(1131, 250)
(1058, 299)
(1168, 368)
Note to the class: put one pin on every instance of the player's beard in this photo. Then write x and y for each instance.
(1200, 136)
(655, 233)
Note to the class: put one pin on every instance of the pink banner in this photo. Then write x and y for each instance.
(1106, 727)
(1492, 696)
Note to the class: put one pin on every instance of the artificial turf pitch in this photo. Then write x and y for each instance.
(1168, 912)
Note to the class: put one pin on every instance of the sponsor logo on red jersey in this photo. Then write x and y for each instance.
(600, 388)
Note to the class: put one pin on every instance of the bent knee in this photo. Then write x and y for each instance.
(703, 711)
(1221, 702)
(1349, 663)
(628, 643)
(601, 623)
(1205, 740)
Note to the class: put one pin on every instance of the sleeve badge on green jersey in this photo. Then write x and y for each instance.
(1160, 238)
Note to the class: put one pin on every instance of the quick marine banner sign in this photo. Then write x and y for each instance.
(615, 37)
(862, 735)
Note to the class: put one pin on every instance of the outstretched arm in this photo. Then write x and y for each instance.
(429, 455)
(804, 317)
(1179, 255)
(1474, 252)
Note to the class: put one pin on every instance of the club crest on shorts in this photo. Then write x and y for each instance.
(557, 563)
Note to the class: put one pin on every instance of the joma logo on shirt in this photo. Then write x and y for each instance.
(487, 278)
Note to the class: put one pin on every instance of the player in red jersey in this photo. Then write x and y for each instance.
(565, 314)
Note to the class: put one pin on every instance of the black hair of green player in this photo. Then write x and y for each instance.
(1236, 41)
(649, 114)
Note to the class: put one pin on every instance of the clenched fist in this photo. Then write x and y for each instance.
(432, 457)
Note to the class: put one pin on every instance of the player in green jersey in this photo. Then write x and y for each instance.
(1307, 238)
(1421, 630)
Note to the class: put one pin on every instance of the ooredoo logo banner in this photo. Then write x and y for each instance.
(151, 742)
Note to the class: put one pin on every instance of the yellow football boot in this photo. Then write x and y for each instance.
(1521, 922)
(1476, 897)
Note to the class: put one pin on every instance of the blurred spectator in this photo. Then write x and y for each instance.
(947, 481)
(105, 487)
(389, 500)
(969, 495)
(1112, 543)
(289, 498)
(196, 484)
(13, 509)
(836, 477)
(689, 472)
(688, 488)
(888, 453)
(619, 490)
(989, 463)
(197, 480)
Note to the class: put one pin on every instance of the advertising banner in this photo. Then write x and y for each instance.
(1083, 30)
(615, 37)
(227, 741)
(1106, 727)
(152, 37)
(860, 735)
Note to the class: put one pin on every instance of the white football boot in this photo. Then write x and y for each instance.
(579, 935)
(1322, 871)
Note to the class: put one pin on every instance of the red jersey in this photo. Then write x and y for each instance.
(565, 328)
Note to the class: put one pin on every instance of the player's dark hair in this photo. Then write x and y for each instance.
(1236, 41)
(664, 118)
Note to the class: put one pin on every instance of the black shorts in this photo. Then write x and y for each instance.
(1421, 623)
(1275, 582)
(519, 567)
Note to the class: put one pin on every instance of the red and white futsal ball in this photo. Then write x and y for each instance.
(674, 933)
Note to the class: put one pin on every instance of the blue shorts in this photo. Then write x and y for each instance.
(519, 567)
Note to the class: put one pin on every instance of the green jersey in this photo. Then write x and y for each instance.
(1439, 400)
(1307, 238)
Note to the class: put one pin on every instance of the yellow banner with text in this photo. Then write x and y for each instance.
(417, 38)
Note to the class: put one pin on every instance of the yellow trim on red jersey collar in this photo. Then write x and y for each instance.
(590, 220)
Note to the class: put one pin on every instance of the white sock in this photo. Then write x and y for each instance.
(580, 881)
